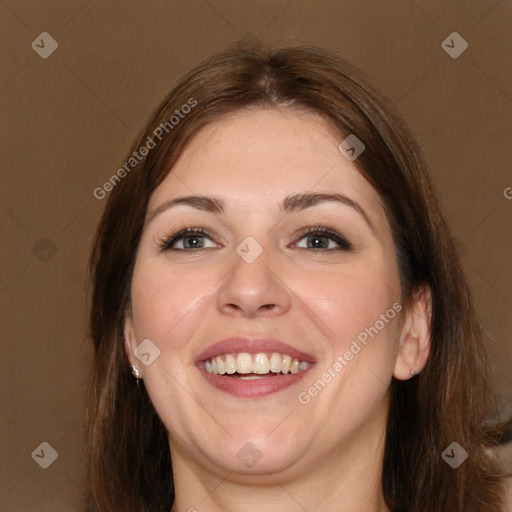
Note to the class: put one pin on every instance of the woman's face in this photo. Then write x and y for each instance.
(294, 271)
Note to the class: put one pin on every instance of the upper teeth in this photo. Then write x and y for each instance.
(254, 363)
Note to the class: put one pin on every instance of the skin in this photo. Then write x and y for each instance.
(324, 455)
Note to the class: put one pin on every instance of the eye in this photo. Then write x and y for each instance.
(186, 240)
(320, 237)
(315, 237)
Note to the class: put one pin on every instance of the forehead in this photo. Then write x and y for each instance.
(261, 155)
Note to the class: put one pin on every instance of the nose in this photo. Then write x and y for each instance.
(253, 289)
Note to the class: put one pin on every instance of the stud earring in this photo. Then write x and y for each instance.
(413, 373)
(135, 371)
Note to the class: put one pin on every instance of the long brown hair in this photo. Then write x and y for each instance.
(452, 400)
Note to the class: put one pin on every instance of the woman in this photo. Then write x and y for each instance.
(278, 308)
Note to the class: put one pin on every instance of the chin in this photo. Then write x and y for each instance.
(257, 452)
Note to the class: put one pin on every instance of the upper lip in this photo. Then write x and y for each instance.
(252, 345)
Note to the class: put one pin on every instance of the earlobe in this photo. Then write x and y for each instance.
(415, 336)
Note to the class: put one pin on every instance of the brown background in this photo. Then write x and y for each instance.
(69, 120)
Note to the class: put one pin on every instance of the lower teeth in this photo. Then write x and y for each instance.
(250, 376)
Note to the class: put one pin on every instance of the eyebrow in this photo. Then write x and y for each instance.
(293, 203)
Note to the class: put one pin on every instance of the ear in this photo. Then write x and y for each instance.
(415, 336)
(130, 340)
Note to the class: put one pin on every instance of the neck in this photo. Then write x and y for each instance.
(346, 480)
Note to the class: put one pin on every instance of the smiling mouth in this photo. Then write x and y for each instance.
(253, 367)
(246, 366)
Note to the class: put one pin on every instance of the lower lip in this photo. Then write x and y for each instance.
(254, 388)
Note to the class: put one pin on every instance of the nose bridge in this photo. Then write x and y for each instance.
(252, 285)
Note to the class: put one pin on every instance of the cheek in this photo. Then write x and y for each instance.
(168, 305)
(361, 310)
(350, 301)
(165, 300)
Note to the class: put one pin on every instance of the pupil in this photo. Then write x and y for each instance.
(316, 241)
(193, 241)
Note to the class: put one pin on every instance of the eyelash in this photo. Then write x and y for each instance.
(166, 243)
